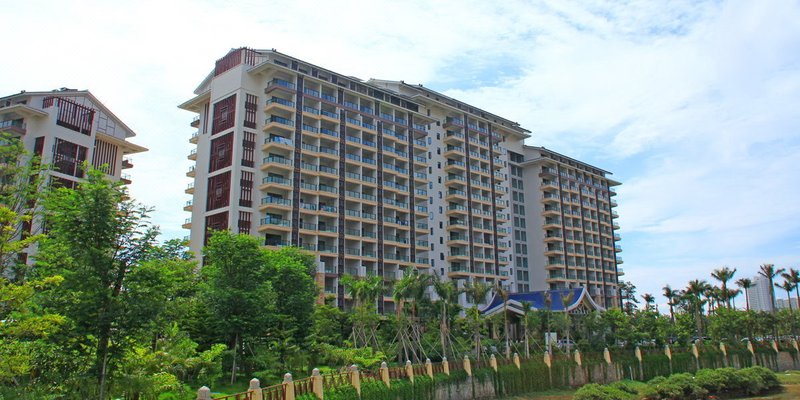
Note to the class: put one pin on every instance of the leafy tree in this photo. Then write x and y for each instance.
(291, 272)
(649, 300)
(238, 293)
(97, 241)
(447, 291)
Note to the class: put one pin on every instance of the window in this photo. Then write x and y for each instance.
(219, 187)
(224, 114)
(68, 158)
(221, 152)
(250, 107)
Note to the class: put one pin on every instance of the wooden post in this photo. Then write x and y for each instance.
(548, 360)
(255, 390)
(493, 362)
(516, 361)
(384, 371)
(410, 371)
(428, 368)
(467, 366)
(288, 387)
(641, 368)
(204, 393)
(446, 366)
(355, 379)
(316, 383)
(668, 353)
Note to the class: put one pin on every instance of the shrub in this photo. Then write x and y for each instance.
(630, 387)
(594, 391)
(675, 387)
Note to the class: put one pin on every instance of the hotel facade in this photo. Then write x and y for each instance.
(374, 177)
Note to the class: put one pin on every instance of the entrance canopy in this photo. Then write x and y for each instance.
(579, 302)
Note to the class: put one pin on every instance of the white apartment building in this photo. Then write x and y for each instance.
(377, 176)
(66, 127)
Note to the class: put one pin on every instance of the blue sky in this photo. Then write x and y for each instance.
(695, 106)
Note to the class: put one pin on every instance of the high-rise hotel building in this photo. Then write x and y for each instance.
(376, 176)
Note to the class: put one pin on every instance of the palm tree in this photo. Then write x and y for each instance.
(526, 310)
(628, 294)
(503, 293)
(649, 299)
(672, 296)
(745, 284)
(793, 276)
(787, 286)
(448, 295)
(768, 271)
(476, 294)
(694, 296)
(724, 275)
(566, 298)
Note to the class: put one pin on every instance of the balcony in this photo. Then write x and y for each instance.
(277, 142)
(279, 123)
(191, 172)
(187, 206)
(125, 178)
(14, 127)
(277, 162)
(617, 248)
(126, 163)
(187, 223)
(195, 122)
(195, 138)
(619, 260)
(193, 155)
(279, 104)
(189, 189)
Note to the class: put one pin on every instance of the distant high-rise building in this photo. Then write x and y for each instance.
(376, 176)
(759, 294)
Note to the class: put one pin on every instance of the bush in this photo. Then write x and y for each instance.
(630, 387)
(675, 387)
(594, 391)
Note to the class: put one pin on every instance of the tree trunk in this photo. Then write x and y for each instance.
(746, 301)
(235, 351)
(102, 366)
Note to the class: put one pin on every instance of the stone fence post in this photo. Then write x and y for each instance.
(255, 390)
(467, 366)
(516, 361)
(316, 383)
(410, 371)
(446, 366)
(428, 368)
(355, 379)
(384, 372)
(493, 362)
(288, 387)
(204, 393)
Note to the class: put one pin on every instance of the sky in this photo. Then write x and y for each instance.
(694, 106)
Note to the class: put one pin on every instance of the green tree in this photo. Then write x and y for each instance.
(793, 276)
(447, 291)
(237, 291)
(745, 284)
(724, 275)
(672, 300)
(291, 272)
(768, 271)
(788, 287)
(476, 294)
(97, 241)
